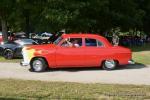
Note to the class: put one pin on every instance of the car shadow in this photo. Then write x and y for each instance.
(75, 69)
(123, 67)
(132, 66)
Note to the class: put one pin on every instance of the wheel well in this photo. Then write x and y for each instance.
(7, 49)
(39, 57)
(117, 62)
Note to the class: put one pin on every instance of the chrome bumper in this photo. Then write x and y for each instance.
(22, 63)
(25, 61)
(131, 62)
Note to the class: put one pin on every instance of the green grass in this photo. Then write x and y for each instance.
(2, 59)
(19, 89)
(142, 57)
(141, 54)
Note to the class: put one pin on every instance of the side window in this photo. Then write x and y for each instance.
(93, 43)
(90, 42)
(99, 44)
(72, 42)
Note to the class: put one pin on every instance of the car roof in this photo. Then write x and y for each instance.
(87, 35)
(81, 35)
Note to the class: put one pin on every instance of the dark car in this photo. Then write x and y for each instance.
(12, 49)
(49, 38)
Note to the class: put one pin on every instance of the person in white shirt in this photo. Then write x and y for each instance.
(75, 43)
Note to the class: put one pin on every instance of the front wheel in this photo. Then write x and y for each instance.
(38, 65)
(109, 64)
(8, 54)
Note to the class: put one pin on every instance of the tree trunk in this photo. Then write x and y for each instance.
(27, 20)
(26, 14)
(4, 30)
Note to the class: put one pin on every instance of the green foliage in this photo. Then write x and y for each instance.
(75, 15)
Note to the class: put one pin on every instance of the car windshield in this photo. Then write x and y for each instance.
(25, 41)
(57, 40)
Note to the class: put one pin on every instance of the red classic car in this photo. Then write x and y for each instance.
(76, 50)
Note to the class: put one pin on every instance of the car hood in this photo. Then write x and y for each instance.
(37, 50)
(43, 46)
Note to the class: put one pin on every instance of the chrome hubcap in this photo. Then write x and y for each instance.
(110, 63)
(8, 54)
(37, 65)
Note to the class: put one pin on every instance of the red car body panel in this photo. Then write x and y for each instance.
(84, 56)
(1, 39)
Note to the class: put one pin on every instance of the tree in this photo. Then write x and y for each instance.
(94, 16)
(145, 6)
(5, 10)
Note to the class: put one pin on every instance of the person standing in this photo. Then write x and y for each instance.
(115, 39)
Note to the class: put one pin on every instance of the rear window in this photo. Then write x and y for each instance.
(90, 42)
(93, 43)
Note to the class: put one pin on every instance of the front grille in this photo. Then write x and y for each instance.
(18, 52)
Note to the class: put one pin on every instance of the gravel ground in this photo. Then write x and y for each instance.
(132, 74)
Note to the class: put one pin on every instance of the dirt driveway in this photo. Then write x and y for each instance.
(131, 74)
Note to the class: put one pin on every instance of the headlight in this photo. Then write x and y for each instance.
(2, 43)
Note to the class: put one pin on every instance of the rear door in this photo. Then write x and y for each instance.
(95, 51)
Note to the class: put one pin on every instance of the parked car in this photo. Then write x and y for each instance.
(45, 38)
(12, 49)
(55, 37)
(46, 35)
(76, 50)
(12, 36)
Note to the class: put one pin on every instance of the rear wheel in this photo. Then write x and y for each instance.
(8, 54)
(109, 64)
(38, 65)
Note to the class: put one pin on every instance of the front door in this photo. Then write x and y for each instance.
(70, 53)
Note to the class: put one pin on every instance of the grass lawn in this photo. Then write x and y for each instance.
(19, 89)
(2, 59)
(141, 54)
